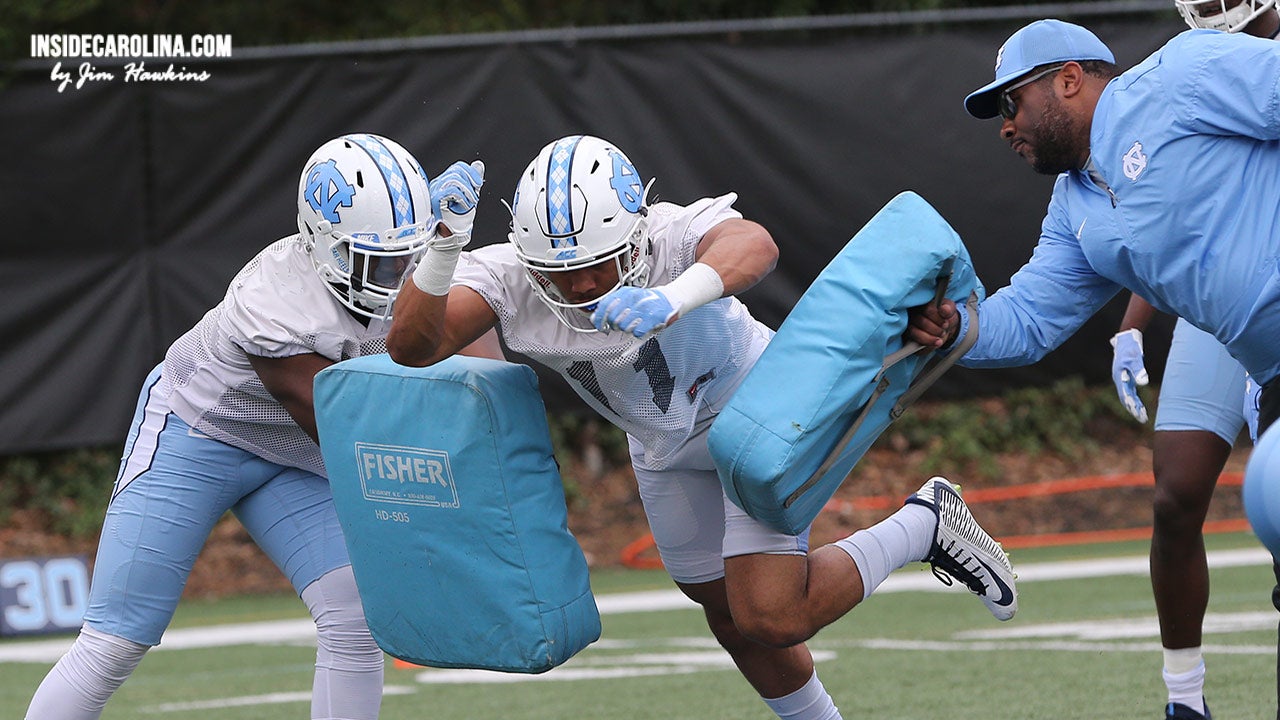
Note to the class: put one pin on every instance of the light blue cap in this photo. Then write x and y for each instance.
(1043, 42)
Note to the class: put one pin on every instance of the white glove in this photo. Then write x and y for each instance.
(644, 311)
(1128, 371)
(639, 311)
(454, 196)
(1252, 394)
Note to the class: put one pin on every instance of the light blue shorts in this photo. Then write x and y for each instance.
(174, 485)
(694, 524)
(1203, 387)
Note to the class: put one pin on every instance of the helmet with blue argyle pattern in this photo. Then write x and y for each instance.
(581, 202)
(364, 209)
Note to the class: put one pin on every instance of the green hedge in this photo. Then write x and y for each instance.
(1066, 419)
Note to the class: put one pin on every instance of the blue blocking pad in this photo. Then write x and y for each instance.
(791, 415)
(453, 512)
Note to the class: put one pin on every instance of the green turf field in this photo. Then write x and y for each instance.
(1085, 647)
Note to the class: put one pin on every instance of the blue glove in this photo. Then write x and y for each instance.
(1252, 393)
(639, 311)
(1128, 371)
(454, 195)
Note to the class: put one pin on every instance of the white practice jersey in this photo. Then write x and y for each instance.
(276, 306)
(655, 388)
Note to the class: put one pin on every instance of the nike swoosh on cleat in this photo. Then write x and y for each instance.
(1006, 593)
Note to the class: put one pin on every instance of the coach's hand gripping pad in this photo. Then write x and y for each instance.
(819, 370)
(453, 512)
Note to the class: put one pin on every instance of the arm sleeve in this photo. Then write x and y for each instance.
(260, 323)
(269, 312)
(1046, 301)
(494, 273)
(685, 226)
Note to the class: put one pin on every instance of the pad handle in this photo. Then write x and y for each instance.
(914, 390)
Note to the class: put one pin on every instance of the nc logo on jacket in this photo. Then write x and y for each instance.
(1134, 162)
(406, 475)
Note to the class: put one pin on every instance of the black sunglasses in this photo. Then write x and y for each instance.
(1004, 102)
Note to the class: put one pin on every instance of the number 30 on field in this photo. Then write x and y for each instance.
(42, 595)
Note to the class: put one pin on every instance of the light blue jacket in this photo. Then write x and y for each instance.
(1187, 214)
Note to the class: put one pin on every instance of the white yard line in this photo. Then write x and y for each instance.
(267, 699)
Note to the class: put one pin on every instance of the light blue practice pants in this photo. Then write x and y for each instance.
(174, 485)
(1203, 386)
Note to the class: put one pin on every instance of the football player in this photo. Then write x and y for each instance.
(1198, 418)
(226, 422)
(633, 303)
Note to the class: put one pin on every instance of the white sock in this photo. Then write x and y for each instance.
(901, 538)
(78, 687)
(810, 702)
(1184, 677)
(1182, 660)
(349, 664)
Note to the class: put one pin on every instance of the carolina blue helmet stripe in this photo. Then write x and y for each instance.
(397, 184)
(559, 199)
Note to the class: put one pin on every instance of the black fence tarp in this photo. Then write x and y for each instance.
(128, 206)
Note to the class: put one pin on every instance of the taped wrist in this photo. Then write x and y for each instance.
(697, 286)
(434, 274)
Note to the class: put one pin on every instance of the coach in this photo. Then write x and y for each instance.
(1168, 185)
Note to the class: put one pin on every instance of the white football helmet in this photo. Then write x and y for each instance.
(1226, 15)
(364, 208)
(580, 203)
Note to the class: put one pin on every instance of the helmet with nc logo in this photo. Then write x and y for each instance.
(364, 209)
(580, 203)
